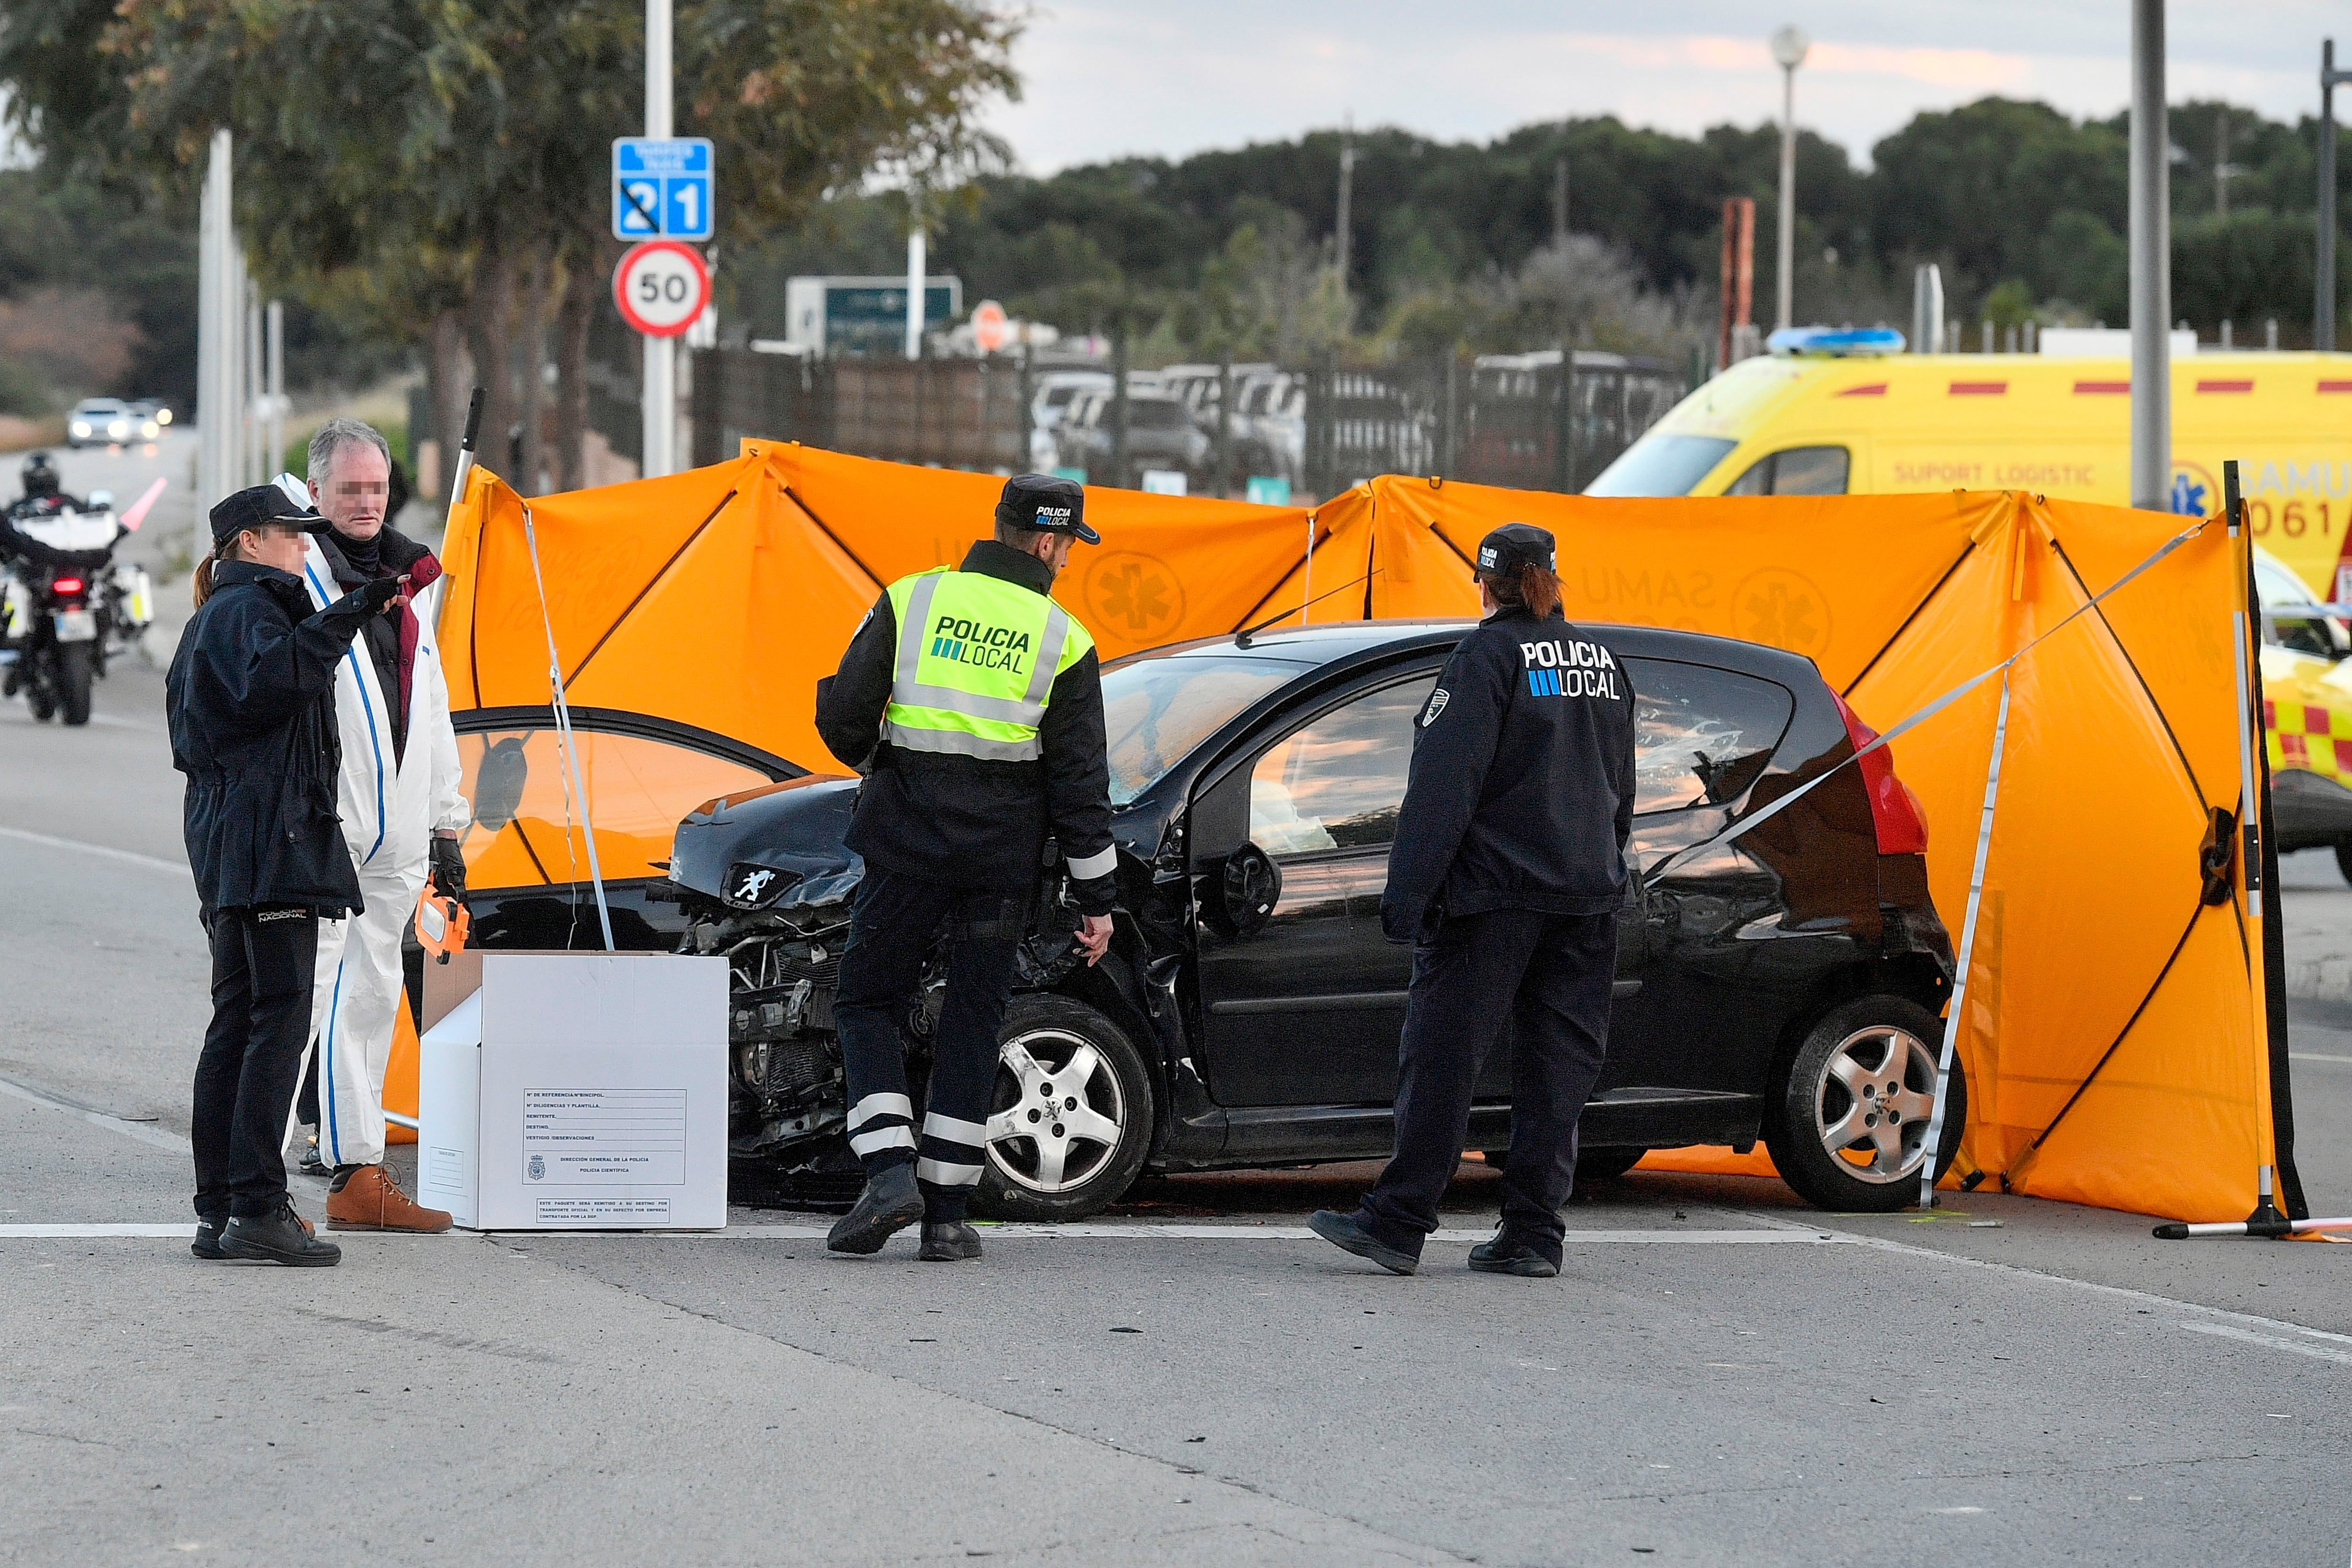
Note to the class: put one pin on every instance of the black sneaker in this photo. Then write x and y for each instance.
(949, 1242)
(208, 1234)
(1348, 1233)
(890, 1202)
(278, 1237)
(1503, 1252)
(312, 1165)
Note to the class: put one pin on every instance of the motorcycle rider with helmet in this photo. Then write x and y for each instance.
(43, 497)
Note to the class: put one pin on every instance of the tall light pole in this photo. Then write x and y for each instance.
(2151, 265)
(660, 401)
(2323, 314)
(1788, 46)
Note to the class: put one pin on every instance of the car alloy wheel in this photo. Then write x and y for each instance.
(1872, 1102)
(1070, 1117)
(1067, 1114)
(1846, 1118)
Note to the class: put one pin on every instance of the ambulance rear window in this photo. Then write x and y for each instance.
(1660, 464)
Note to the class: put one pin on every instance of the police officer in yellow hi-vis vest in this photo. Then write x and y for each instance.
(972, 703)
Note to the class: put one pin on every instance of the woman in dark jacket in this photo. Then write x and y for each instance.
(251, 701)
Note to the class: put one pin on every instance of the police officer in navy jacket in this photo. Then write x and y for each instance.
(1507, 872)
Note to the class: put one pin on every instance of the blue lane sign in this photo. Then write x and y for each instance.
(662, 187)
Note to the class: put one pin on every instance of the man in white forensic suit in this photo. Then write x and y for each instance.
(400, 796)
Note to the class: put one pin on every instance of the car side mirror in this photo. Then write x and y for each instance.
(1251, 886)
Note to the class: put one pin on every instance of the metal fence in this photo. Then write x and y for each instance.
(1533, 421)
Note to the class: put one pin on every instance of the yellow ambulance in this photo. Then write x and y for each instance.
(1833, 423)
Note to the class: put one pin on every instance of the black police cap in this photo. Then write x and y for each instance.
(1046, 503)
(1516, 544)
(260, 505)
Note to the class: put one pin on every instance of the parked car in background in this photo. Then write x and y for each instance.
(1271, 425)
(109, 421)
(1160, 434)
(1049, 404)
(1786, 987)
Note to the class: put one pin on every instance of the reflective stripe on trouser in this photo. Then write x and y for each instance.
(352, 1008)
(891, 930)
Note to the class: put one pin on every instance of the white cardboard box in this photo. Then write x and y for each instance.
(574, 1091)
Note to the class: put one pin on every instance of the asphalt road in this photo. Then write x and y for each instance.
(1719, 1375)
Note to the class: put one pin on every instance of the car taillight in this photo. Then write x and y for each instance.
(1894, 811)
(67, 585)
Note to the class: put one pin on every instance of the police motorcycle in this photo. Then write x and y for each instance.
(66, 604)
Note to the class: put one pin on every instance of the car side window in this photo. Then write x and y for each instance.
(1337, 781)
(1798, 471)
(1701, 735)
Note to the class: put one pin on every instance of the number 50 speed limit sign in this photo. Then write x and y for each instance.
(661, 287)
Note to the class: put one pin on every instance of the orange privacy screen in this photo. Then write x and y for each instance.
(2110, 1036)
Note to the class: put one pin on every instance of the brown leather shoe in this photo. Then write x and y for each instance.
(369, 1199)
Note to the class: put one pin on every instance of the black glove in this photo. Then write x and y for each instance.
(448, 867)
(367, 599)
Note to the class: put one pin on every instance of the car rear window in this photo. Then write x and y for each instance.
(1701, 735)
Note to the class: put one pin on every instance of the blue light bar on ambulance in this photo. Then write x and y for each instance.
(1836, 343)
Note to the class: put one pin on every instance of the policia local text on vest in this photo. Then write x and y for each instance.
(972, 703)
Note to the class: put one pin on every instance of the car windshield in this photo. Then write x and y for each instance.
(1156, 710)
(1660, 464)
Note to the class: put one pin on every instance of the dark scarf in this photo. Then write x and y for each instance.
(365, 555)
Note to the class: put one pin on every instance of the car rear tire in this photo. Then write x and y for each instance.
(1060, 1058)
(75, 673)
(2343, 858)
(1826, 1121)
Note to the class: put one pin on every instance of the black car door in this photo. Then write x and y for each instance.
(1302, 998)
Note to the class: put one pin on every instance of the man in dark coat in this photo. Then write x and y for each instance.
(249, 698)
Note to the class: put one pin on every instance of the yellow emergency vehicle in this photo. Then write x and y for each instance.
(1834, 422)
(1840, 413)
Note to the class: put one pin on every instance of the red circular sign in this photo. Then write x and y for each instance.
(661, 287)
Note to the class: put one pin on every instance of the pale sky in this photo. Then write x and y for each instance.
(1107, 78)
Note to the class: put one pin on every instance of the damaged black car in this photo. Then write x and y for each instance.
(1785, 985)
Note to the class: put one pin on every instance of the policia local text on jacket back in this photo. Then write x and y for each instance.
(974, 704)
(1507, 873)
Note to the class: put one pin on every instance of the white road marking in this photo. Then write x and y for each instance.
(49, 841)
(2315, 1056)
(92, 1232)
(1881, 1244)
(2273, 1342)
(1239, 1232)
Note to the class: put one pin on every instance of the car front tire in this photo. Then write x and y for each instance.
(1847, 1120)
(2343, 858)
(1071, 1116)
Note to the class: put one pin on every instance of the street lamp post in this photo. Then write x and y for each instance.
(1788, 46)
(2151, 265)
(2323, 312)
(660, 393)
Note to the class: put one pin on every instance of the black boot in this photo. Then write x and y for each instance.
(278, 1237)
(1351, 1233)
(1503, 1252)
(890, 1202)
(949, 1241)
(208, 1234)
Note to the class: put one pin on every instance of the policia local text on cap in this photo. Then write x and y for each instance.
(972, 703)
